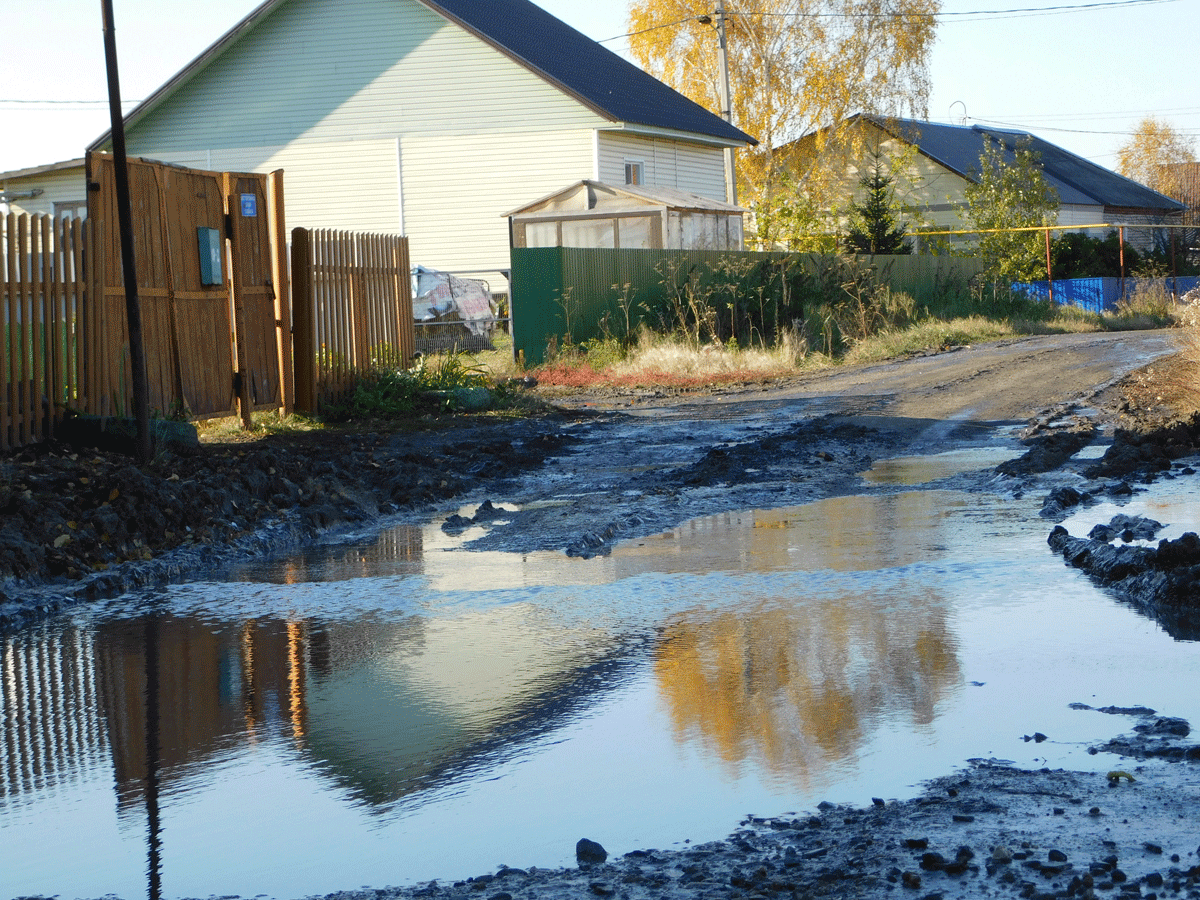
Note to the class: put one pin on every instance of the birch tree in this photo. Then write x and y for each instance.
(1008, 200)
(795, 66)
(1154, 156)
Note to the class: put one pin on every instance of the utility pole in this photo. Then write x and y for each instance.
(137, 353)
(726, 104)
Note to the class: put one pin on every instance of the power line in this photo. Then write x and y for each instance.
(85, 105)
(1158, 113)
(978, 15)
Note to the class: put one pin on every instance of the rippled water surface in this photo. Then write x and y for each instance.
(403, 709)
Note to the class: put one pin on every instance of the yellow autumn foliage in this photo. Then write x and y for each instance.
(795, 66)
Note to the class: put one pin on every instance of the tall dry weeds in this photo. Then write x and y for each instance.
(1188, 339)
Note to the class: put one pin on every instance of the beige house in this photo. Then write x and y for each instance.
(54, 189)
(430, 118)
(933, 165)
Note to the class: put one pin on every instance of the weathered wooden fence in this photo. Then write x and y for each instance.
(206, 261)
(351, 308)
(41, 291)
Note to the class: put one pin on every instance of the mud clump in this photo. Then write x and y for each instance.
(1049, 448)
(813, 443)
(1163, 581)
(1148, 449)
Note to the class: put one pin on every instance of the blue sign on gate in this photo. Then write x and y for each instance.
(249, 205)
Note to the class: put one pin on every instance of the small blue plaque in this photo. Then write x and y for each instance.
(249, 205)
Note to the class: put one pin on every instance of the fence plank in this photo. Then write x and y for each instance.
(279, 279)
(41, 263)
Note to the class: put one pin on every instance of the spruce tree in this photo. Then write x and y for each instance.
(873, 226)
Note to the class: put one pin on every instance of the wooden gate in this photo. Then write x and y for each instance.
(212, 320)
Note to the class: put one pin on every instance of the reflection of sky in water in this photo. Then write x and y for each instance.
(387, 713)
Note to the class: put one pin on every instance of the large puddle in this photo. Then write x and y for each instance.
(403, 709)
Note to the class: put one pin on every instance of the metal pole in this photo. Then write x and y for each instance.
(137, 355)
(1121, 254)
(1049, 274)
(726, 104)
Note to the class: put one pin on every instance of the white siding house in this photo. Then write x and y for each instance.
(426, 118)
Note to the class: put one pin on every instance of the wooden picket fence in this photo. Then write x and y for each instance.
(351, 309)
(352, 299)
(42, 289)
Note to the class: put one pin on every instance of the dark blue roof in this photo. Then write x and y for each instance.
(1077, 180)
(612, 86)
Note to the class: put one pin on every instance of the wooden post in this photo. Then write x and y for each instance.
(22, 326)
(1174, 268)
(283, 306)
(137, 354)
(303, 323)
(240, 317)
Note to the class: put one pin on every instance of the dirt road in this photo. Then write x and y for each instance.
(646, 460)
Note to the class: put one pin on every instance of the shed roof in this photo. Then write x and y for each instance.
(1077, 180)
(46, 169)
(609, 85)
(586, 195)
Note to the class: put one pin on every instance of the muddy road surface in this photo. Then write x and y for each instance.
(644, 461)
(617, 464)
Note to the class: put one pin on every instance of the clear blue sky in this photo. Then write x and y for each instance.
(1081, 77)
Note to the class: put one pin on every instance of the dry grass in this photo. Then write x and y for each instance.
(1187, 375)
(681, 363)
(673, 363)
(229, 429)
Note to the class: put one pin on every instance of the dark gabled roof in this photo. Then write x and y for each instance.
(610, 86)
(1077, 180)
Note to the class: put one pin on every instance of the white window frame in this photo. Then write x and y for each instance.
(638, 168)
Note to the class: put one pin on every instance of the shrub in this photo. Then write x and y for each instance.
(402, 393)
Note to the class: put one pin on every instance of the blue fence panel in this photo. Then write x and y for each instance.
(1086, 293)
(1100, 295)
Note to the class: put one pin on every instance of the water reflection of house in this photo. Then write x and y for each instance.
(433, 696)
(385, 708)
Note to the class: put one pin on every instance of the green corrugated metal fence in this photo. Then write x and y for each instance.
(558, 291)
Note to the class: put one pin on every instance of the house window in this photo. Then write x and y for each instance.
(540, 234)
(635, 171)
(73, 209)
